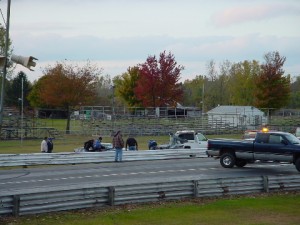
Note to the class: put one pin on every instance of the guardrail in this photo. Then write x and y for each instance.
(95, 157)
(52, 199)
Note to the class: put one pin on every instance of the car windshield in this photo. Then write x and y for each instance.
(293, 139)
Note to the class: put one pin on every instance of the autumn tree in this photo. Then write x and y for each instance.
(125, 86)
(272, 87)
(158, 83)
(66, 86)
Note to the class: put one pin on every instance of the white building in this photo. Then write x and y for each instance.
(235, 116)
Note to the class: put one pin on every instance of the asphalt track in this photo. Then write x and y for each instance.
(25, 179)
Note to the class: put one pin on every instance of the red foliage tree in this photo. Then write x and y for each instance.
(272, 87)
(158, 83)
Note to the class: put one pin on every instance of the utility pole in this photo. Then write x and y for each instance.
(5, 63)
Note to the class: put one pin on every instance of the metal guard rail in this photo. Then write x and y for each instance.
(8, 160)
(52, 199)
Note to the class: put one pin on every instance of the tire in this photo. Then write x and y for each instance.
(227, 160)
(240, 162)
(297, 164)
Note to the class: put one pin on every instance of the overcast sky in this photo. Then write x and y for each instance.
(117, 34)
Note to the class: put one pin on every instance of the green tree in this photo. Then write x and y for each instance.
(14, 90)
(242, 82)
(65, 87)
(193, 91)
(125, 86)
(158, 83)
(273, 88)
(295, 94)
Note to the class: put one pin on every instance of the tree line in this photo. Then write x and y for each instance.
(157, 83)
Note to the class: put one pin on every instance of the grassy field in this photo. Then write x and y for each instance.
(281, 209)
(69, 142)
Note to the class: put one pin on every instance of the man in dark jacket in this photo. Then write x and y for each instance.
(118, 145)
(131, 144)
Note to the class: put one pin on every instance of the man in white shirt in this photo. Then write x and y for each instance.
(44, 146)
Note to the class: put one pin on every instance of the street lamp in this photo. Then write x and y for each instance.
(28, 62)
(113, 107)
(22, 110)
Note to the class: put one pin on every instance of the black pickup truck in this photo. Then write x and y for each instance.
(266, 146)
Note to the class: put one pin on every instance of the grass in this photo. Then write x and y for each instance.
(69, 142)
(263, 209)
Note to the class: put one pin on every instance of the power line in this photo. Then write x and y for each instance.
(3, 17)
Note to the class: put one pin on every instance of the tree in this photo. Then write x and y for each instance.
(242, 82)
(193, 91)
(66, 86)
(103, 87)
(14, 90)
(125, 86)
(295, 94)
(272, 87)
(158, 83)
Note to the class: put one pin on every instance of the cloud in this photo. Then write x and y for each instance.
(116, 55)
(242, 14)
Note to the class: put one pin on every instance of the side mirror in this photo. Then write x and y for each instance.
(284, 142)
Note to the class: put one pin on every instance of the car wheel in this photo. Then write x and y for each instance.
(297, 164)
(240, 162)
(227, 160)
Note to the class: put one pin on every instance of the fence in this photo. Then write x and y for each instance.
(94, 195)
(95, 157)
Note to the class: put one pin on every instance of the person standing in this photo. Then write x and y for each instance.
(118, 145)
(44, 146)
(131, 144)
(50, 145)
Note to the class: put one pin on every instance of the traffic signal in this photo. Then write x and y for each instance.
(24, 61)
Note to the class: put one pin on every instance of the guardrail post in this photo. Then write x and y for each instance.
(196, 191)
(16, 205)
(266, 183)
(111, 196)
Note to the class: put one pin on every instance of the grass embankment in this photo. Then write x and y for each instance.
(283, 209)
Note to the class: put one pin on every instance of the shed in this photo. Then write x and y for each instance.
(235, 116)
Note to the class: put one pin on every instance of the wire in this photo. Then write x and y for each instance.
(3, 17)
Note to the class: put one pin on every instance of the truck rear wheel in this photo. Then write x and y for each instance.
(297, 164)
(227, 160)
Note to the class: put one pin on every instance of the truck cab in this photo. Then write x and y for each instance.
(188, 139)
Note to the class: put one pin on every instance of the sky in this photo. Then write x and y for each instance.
(117, 34)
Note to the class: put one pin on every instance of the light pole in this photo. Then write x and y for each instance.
(22, 109)
(113, 107)
(5, 62)
(202, 114)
